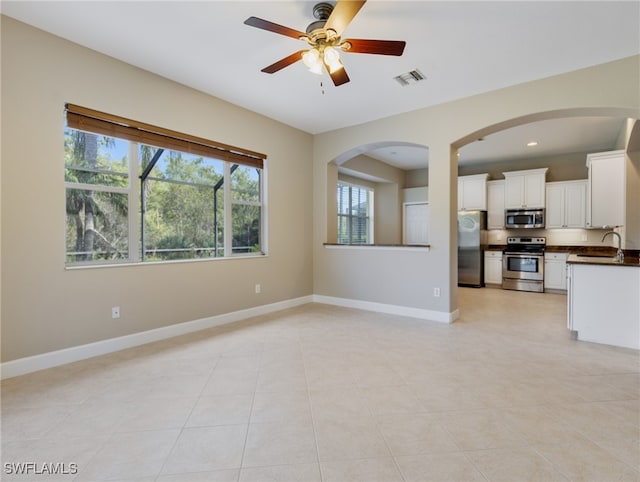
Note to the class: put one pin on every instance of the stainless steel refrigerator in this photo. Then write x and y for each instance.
(472, 240)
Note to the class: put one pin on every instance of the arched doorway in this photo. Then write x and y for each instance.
(588, 130)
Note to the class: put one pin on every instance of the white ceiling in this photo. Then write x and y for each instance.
(463, 48)
(553, 137)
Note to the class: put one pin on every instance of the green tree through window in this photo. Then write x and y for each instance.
(177, 200)
(97, 204)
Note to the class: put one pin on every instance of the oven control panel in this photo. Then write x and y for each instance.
(521, 240)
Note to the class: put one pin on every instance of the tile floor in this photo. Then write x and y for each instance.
(326, 393)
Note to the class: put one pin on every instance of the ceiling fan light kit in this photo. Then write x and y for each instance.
(311, 59)
(324, 39)
(315, 58)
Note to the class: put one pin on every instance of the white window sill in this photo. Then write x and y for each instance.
(381, 247)
(73, 267)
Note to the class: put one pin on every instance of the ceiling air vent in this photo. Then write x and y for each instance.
(410, 77)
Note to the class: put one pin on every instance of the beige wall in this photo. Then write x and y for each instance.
(609, 89)
(372, 168)
(388, 213)
(44, 306)
(416, 177)
(632, 224)
(567, 167)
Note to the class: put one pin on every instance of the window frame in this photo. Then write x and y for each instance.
(228, 245)
(350, 217)
(137, 133)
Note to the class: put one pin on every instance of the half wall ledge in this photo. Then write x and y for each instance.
(407, 247)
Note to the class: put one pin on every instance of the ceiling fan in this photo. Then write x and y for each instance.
(324, 39)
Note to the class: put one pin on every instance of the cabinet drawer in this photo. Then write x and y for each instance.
(556, 256)
(493, 254)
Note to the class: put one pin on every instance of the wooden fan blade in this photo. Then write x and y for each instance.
(379, 47)
(286, 62)
(343, 14)
(274, 27)
(339, 77)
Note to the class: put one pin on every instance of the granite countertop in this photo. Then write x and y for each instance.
(602, 255)
(603, 259)
(378, 245)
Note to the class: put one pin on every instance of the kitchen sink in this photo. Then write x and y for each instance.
(597, 258)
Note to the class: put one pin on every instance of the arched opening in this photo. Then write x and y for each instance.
(557, 141)
(612, 112)
(369, 189)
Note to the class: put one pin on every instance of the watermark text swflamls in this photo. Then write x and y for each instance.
(44, 468)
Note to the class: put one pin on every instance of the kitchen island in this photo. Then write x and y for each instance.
(604, 299)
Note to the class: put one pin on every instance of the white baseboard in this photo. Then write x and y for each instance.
(439, 316)
(52, 359)
(30, 364)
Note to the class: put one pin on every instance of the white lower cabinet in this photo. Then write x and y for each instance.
(603, 304)
(493, 267)
(555, 271)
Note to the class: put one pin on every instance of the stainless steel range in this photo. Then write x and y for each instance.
(523, 264)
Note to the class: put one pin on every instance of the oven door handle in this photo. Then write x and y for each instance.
(520, 253)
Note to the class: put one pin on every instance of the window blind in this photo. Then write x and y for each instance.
(85, 119)
(354, 211)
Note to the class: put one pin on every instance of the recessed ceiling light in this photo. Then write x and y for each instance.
(532, 144)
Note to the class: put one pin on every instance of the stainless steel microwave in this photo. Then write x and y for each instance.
(524, 218)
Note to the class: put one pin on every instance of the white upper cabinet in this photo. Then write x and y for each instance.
(606, 189)
(566, 204)
(525, 189)
(472, 192)
(555, 217)
(495, 204)
(575, 202)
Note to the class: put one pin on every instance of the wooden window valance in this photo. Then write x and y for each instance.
(90, 120)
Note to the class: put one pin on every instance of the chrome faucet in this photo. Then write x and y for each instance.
(619, 253)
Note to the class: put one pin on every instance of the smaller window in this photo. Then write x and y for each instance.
(97, 198)
(246, 210)
(355, 214)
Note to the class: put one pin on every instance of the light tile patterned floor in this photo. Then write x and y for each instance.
(325, 393)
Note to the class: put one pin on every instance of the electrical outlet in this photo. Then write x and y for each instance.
(258, 288)
(584, 237)
(115, 312)
(436, 292)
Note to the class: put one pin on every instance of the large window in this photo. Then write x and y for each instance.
(355, 214)
(130, 200)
